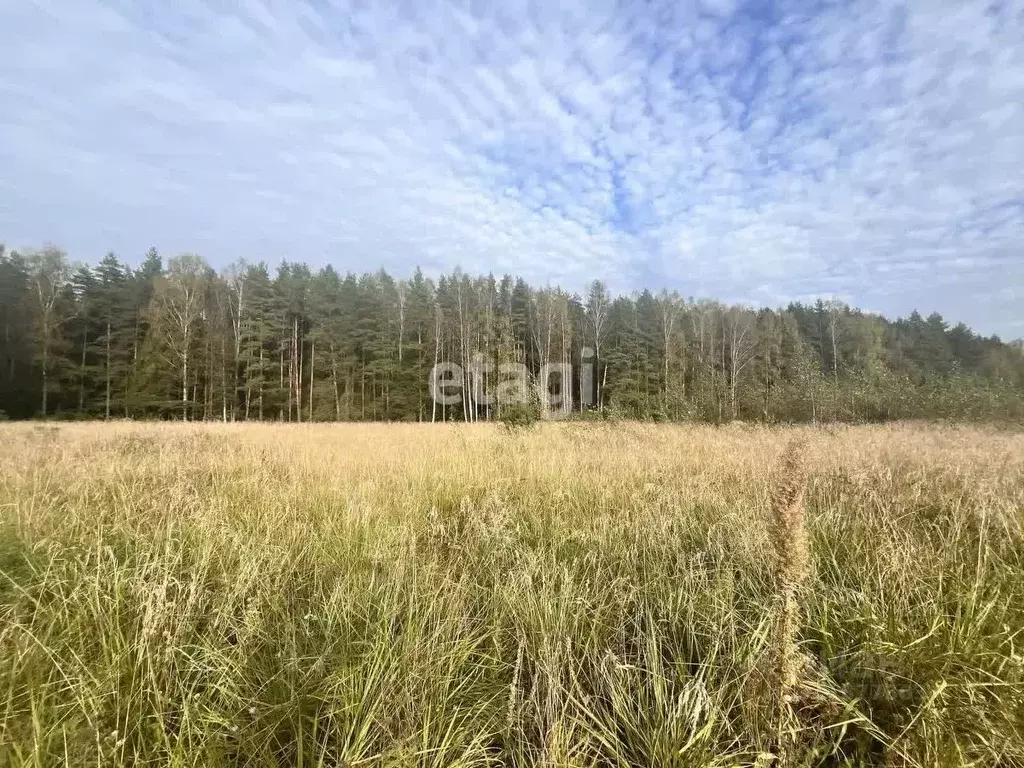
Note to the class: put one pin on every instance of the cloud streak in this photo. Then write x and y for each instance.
(750, 151)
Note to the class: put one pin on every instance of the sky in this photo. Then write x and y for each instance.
(752, 152)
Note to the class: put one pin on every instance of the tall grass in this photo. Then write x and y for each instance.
(575, 595)
(789, 539)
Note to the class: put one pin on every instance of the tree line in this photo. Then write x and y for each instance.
(180, 340)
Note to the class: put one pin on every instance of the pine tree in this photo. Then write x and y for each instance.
(18, 384)
(113, 346)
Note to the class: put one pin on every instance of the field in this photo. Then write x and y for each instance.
(569, 595)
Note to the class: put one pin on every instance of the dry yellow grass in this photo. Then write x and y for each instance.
(788, 531)
(576, 594)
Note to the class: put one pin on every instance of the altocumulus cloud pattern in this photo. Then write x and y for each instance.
(753, 152)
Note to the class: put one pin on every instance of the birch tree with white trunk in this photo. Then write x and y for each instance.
(179, 304)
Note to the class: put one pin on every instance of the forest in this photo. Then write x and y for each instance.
(179, 340)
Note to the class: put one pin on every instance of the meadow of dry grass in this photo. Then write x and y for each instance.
(572, 595)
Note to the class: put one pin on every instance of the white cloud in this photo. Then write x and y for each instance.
(868, 149)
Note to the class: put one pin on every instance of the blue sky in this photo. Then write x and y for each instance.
(752, 152)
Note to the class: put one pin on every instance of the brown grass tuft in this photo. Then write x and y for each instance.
(789, 537)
